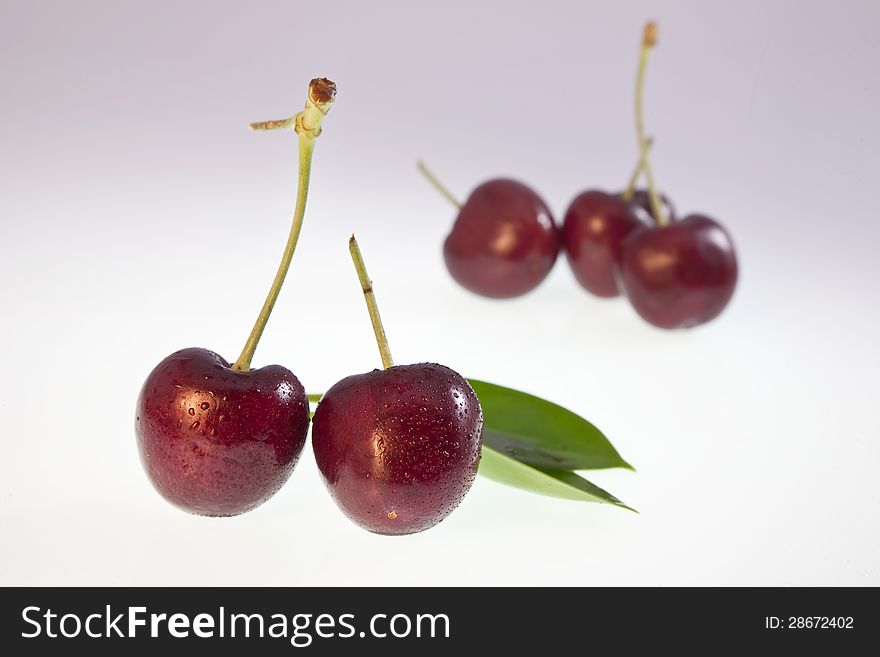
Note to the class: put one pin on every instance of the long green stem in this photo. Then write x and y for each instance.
(306, 147)
(439, 186)
(372, 307)
(648, 41)
(308, 126)
(634, 177)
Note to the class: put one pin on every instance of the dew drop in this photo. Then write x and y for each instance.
(191, 411)
(194, 425)
(205, 406)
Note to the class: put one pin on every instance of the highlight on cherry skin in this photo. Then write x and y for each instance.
(398, 448)
(504, 241)
(218, 439)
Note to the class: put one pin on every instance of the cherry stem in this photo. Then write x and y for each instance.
(370, 298)
(649, 40)
(307, 125)
(634, 177)
(439, 186)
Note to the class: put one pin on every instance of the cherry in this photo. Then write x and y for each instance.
(504, 241)
(595, 225)
(679, 275)
(219, 439)
(398, 448)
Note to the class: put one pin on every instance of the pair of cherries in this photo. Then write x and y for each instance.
(676, 272)
(398, 448)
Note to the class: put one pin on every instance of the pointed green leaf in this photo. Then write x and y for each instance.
(556, 483)
(540, 433)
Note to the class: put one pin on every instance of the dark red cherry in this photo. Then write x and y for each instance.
(681, 274)
(399, 448)
(504, 241)
(595, 225)
(219, 439)
(215, 441)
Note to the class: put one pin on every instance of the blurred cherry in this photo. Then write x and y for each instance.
(593, 230)
(504, 241)
(679, 275)
(676, 273)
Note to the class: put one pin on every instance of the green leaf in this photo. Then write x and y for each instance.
(540, 433)
(544, 481)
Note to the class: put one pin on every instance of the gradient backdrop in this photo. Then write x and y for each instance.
(139, 216)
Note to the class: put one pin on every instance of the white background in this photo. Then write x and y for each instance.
(139, 216)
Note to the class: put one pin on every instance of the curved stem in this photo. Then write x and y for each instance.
(370, 298)
(648, 41)
(440, 187)
(308, 126)
(306, 146)
(634, 177)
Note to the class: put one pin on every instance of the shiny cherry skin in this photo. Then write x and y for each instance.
(399, 448)
(215, 441)
(641, 205)
(595, 225)
(679, 275)
(504, 241)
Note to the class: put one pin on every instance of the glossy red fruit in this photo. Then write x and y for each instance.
(215, 441)
(679, 275)
(595, 225)
(399, 448)
(504, 241)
